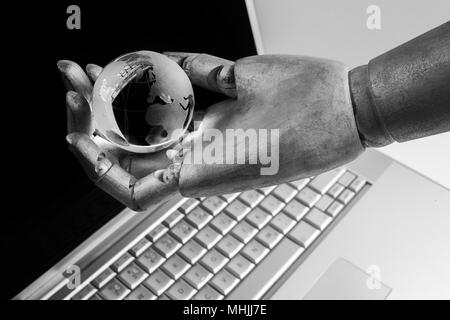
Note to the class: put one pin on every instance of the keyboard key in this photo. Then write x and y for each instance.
(346, 179)
(158, 282)
(318, 219)
(223, 223)
(150, 260)
(157, 232)
(357, 184)
(214, 204)
(224, 282)
(173, 219)
(268, 271)
(164, 297)
(295, 210)
(140, 247)
(122, 262)
(346, 196)
(230, 196)
(167, 245)
(324, 202)
(175, 266)
(272, 205)
(266, 190)
(308, 197)
(114, 290)
(284, 192)
(183, 231)
(229, 246)
(299, 184)
(208, 293)
(181, 291)
(269, 237)
(335, 208)
(141, 293)
(190, 204)
(192, 251)
(251, 197)
(240, 266)
(85, 293)
(197, 276)
(208, 237)
(324, 181)
(335, 190)
(304, 234)
(95, 297)
(258, 218)
(244, 231)
(282, 223)
(199, 217)
(103, 278)
(214, 260)
(132, 276)
(237, 209)
(254, 251)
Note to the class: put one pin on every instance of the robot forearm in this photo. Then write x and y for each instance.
(404, 94)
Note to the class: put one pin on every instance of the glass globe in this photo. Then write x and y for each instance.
(142, 102)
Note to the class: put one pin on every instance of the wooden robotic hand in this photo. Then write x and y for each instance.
(322, 115)
(306, 101)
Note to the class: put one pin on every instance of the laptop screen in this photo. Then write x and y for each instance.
(57, 207)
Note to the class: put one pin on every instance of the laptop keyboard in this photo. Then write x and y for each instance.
(233, 246)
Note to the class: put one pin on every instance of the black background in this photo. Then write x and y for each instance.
(49, 206)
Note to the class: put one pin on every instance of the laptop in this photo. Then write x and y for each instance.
(373, 229)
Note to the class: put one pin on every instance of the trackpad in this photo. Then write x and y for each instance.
(344, 281)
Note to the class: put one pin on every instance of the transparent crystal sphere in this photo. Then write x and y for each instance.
(142, 102)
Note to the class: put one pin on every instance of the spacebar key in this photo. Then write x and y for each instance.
(268, 271)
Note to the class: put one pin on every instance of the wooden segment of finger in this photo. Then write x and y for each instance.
(79, 117)
(75, 78)
(93, 71)
(140, 165)
(152, 189)
(206, 71)
(108, 176)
